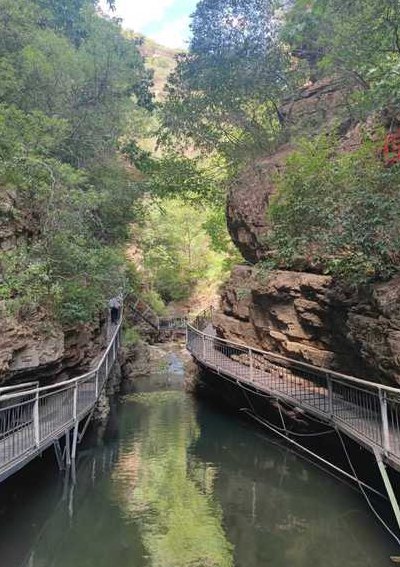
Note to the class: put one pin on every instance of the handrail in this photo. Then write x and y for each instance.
(368, 411)
(19, 386)
(158, 322)
(68, 382)
(299, 363)
(32, 418)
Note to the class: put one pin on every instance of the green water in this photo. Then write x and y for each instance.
(176, 483)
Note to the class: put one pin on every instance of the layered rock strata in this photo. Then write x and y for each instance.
(308, 317)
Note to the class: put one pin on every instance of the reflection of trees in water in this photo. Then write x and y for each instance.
(148, 499)
(180, 524)
(280, 510)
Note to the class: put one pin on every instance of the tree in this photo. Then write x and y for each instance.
(177, 251)
(225, 92)
(69, 77)
(353, 38)
(336, 212)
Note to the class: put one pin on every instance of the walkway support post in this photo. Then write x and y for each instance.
(75, 402)
(385, 421)
(36, 423)
(388, 486)
(75, 440)
(67, 449)
(251, 364)
(330, 394)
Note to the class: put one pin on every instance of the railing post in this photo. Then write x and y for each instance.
(385, 420)
(36, 423)
(97, 384)
(330, 394)
(251, 364)
(204, 347)
(75, 406)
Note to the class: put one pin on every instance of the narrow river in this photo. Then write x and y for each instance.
(174, 482)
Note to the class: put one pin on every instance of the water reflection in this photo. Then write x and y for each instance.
(178, 484)
(180, 522)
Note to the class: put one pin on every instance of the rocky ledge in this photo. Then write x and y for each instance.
(310, 318)
(39, 349)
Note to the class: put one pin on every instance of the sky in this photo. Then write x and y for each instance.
(165, 21)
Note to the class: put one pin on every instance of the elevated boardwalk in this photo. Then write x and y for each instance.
(143, 311)
(33, 418)
(367, 412)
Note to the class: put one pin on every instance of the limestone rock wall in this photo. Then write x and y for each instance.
(307, 317)
(37, 349)
(317, 107)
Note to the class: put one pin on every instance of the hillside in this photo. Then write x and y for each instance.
(161, 60)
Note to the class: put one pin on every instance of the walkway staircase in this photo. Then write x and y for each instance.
(142, 311)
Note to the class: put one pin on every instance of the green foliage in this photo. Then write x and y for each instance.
(131, 336)
(176, 249)
(338, 212)
(153, 298)
(224, 94)
(68, 78)
(355, 39)
(175, 175)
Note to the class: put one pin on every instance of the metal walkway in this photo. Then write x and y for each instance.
(365, 411)
(32, 418)
(142, 310)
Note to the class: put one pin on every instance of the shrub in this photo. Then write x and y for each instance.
(338, 211)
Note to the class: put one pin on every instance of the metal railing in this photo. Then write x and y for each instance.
(145, 311)
(32, 417)
(368, 411)
(172, 323)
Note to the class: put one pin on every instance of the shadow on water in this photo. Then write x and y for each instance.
(176, 483)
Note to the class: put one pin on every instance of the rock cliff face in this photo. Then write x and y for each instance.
(40, 350)
(305, 315)
(324, 102)
(308, 317)
(36, 348)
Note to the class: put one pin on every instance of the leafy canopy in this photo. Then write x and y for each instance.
(337, 212)
(225, 92)
(68, 80)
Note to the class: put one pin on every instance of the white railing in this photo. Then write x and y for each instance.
(147, 313)
(172, 323)
(32, 417)
(366, 410)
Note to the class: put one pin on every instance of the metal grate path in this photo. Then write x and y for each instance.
(32, 417)
(368, 412)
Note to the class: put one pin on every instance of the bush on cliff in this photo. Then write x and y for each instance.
(337, 211)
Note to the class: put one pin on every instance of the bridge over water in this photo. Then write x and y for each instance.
(33, 418)
(367, 412)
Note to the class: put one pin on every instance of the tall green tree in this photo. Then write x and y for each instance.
(69, 78)
(353, 38)
(225, 93)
